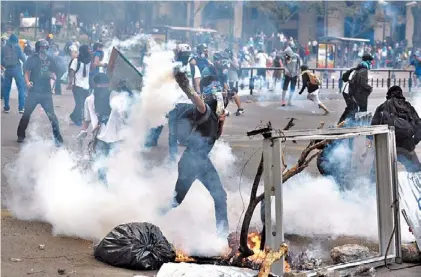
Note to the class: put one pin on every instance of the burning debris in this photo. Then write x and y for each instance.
(261, 260)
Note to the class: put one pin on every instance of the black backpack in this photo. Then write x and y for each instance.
(401, 119)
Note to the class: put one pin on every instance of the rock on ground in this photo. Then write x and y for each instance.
(411, 253)
(349, 252)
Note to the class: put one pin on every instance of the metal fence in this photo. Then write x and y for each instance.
(332, 78)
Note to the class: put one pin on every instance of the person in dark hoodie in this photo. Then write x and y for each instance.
(207, 117)
(79, 69)
(356, 90)
(312, 83)
(398, 112)
(11, 58)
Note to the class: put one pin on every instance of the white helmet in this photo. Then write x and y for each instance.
(184, 48)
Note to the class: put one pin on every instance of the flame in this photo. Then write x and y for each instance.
(254, 242)
(182, 257)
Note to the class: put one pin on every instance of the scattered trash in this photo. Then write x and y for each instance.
(41, 246)
(139, 246)
(196, 270)
(15, 260)
(61, 271)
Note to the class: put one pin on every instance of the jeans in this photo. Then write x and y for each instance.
(57, 87)
(46, 102)
(153, 136)
(351, 108)
(197, 165)
(79, 94)
(102, 151)
(14, 72)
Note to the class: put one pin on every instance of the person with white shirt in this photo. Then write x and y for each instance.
(261, 59)
(79, 82)
(107, 112)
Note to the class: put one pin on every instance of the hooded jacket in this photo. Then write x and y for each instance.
(292, 68)
(395, 97)
(358, 85)
(11, 53)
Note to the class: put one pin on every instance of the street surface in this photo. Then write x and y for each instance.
(20, 239)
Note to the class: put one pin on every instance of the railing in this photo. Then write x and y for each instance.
(332, 77)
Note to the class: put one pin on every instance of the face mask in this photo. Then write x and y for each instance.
(43, 51)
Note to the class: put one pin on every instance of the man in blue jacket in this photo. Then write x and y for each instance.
(11, 58)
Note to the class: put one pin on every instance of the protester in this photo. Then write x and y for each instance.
(356, 89)
(292, 64)
(39, 70)
(398, 112)
(97, 64)
(107, 123)
(78, 82)
(206, 118)
(202, 56)
(189, 67)
(11, 58)
(416, 62)
(312, 83)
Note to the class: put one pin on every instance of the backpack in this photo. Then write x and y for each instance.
(401, 119)
(10, 55)
(314, 80)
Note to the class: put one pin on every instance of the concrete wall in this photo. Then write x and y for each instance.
(335, 21)
(307, 27)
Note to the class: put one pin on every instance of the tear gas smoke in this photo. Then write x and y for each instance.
(46, 184)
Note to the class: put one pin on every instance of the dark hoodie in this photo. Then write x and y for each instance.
(396, 103)
(11, 53)
(358, 86)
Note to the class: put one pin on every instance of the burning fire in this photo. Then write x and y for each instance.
(253, 243)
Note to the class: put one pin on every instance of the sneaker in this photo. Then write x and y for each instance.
(326, 113)
(6, 110)
(283, 103)
(239, 112)
(289, 103)
(21, 111)
(21, 139)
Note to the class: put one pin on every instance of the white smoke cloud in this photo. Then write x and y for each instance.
(48, 184)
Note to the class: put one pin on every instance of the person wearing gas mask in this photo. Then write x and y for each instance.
(78, 78)
(202, 124)
(39, 70)
(292, 64)
(187, 65)
(221, 65)
(202, 58)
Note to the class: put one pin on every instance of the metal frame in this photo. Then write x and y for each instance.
(388, 213)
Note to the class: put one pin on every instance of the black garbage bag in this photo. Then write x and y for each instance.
(139, 246)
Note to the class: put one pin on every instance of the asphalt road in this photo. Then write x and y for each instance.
(20, 239)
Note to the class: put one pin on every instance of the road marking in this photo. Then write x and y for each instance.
(5, 213)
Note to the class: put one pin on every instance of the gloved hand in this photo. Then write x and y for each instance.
(83, 134)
